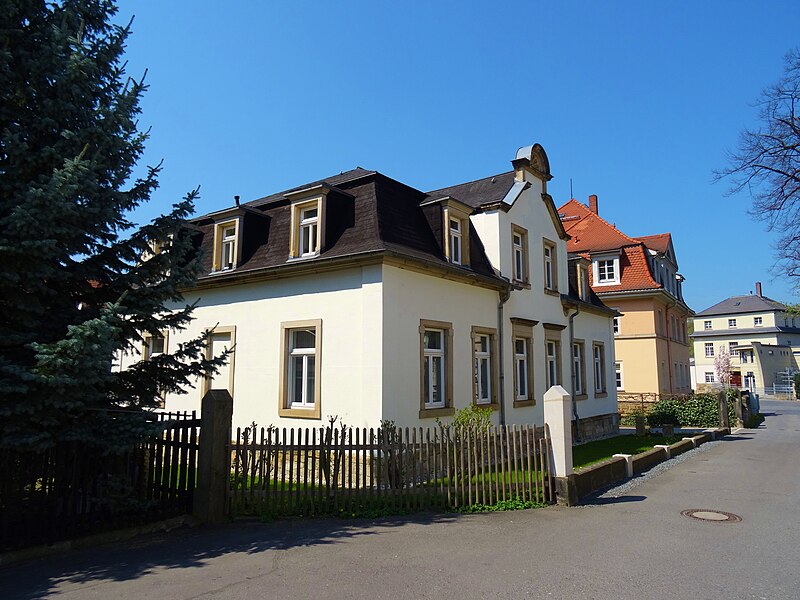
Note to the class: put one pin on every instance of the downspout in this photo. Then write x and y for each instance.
(574, 375)
(504, 296)
(669, 345)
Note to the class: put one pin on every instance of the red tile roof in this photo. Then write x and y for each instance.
(591, 233)
(658, 242)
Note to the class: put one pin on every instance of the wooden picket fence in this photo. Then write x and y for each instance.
(337, 470)
(72, 490)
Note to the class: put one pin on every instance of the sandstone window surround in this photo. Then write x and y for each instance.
(435, 368)
(300, 381)
(522, 336)
(485, 376)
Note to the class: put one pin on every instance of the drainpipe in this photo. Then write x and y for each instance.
(669, 345)
(573, 374)
(504, 296)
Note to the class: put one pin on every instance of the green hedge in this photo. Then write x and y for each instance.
(699, 410)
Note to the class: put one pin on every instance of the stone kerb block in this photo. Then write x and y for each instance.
(628, 462)
(664, 447)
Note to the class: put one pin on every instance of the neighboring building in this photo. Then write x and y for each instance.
(362, 297)
(762, 339)
(639, 278)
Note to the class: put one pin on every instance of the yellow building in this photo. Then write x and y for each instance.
(763, 342)
(638, 277)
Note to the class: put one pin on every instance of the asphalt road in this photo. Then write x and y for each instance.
(635, 546)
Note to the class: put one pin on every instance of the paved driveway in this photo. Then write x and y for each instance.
(636, 546)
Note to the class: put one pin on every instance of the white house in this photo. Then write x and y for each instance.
(362, 297)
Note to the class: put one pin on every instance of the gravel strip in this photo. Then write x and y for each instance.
(617, 491)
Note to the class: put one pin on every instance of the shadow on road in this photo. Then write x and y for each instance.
(187, 548)
(612, 500)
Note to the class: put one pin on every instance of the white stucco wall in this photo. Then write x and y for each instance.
(349, 304)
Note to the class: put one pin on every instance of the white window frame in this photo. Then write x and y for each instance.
(578, 367)
(308, 225)
(483, 358)
(731, 323)
(709, 377)
(522, 375)
(619, 378)
(758, 321)
(599, 355)
(606, 270)
(706, 325)
(456, 247)
(549, 282)
(519, 255)
(307, 400)
(552, 359)
(733, 349)
(429, 357)
(709, 349)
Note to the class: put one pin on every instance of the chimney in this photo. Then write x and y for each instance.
(593, 203)
(758, 289)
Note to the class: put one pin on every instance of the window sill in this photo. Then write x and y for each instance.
(525, 402)
(550, 292)
(601, 394)
(523, 284)
(492, 405)
(300, 413)
(429, 413)
(581, 396)
(302, 258)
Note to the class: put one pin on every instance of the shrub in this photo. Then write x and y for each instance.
(699, 410)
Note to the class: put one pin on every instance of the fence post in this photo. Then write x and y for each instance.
(558, 416)
(724, 420)
(214, 457)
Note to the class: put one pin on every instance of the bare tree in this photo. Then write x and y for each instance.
(767, 164)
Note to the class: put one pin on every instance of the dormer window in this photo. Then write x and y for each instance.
(583, 282)
(226, 248)
(455, 241)
(606, 270)
(309, 231)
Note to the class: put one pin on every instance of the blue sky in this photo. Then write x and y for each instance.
(637, 102)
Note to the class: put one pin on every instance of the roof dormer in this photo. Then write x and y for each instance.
(456, 230)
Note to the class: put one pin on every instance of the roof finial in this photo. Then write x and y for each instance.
(236, 199)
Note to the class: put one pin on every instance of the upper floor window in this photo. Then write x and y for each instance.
(706, 324)
(550, 275)
(583, 282)
(709, 349)
(307, 236)
(519, 248)
(455, 241)
(757, 321)
(616, 324)
(226, 245)
(618, 376)
(309, 231)
(155, 346)
(733, 348)
(731, 322)
(606, 270)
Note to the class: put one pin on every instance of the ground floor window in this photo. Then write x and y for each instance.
(301, 369)
(578, 360)
(619, 379)
(220, 340)
(599, 368)
(709, 377)
(436, 366)
(484, 372)
(552, 354)
(522, 338)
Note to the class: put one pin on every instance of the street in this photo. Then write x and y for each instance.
(634, 546)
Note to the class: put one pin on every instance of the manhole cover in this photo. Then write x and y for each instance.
(717, 516)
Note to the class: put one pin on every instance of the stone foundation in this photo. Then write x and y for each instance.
(595, 428)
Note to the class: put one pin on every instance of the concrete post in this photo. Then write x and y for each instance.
(558, 417)
(724, 420)
(214, 457)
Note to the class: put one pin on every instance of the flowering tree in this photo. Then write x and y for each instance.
(722, 365)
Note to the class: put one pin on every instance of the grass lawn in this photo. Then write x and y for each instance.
(595, 452)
